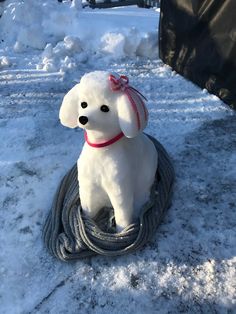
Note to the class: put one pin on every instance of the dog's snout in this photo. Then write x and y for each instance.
(83, 120)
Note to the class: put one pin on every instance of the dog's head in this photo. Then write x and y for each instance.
(104, 102)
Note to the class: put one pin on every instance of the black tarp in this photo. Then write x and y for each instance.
(197, 38)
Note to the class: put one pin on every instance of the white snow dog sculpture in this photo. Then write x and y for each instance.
(117, 165)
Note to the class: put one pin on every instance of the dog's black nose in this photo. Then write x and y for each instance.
(83, 120)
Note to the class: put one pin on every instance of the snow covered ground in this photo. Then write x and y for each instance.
(190, 265)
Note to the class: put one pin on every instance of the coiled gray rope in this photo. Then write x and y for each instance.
(69, 234)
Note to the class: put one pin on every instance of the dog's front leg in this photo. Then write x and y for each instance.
(91, 199)
(121, 195)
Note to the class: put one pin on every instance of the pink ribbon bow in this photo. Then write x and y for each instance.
(122, 84)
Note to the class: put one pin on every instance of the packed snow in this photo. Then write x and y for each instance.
(67, 35)
(190, 264)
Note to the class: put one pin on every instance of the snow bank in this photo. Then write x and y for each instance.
(69, 35)
(25, 23)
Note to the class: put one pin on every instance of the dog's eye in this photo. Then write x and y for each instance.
(84, 104)
(104, 108)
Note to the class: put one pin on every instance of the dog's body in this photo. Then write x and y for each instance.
(119, 174)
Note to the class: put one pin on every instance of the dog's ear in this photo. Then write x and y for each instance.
(68, 114)
(132, 112)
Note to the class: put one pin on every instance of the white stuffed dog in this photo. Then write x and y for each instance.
(118, 162)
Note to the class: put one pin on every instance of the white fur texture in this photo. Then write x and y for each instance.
(119, 175)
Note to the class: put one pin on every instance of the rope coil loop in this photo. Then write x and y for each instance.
(70, 235)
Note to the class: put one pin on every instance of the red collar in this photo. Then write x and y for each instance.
(104, 144)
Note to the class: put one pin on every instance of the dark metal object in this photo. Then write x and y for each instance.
(120, 3)
(105, 4)
(198, 40)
